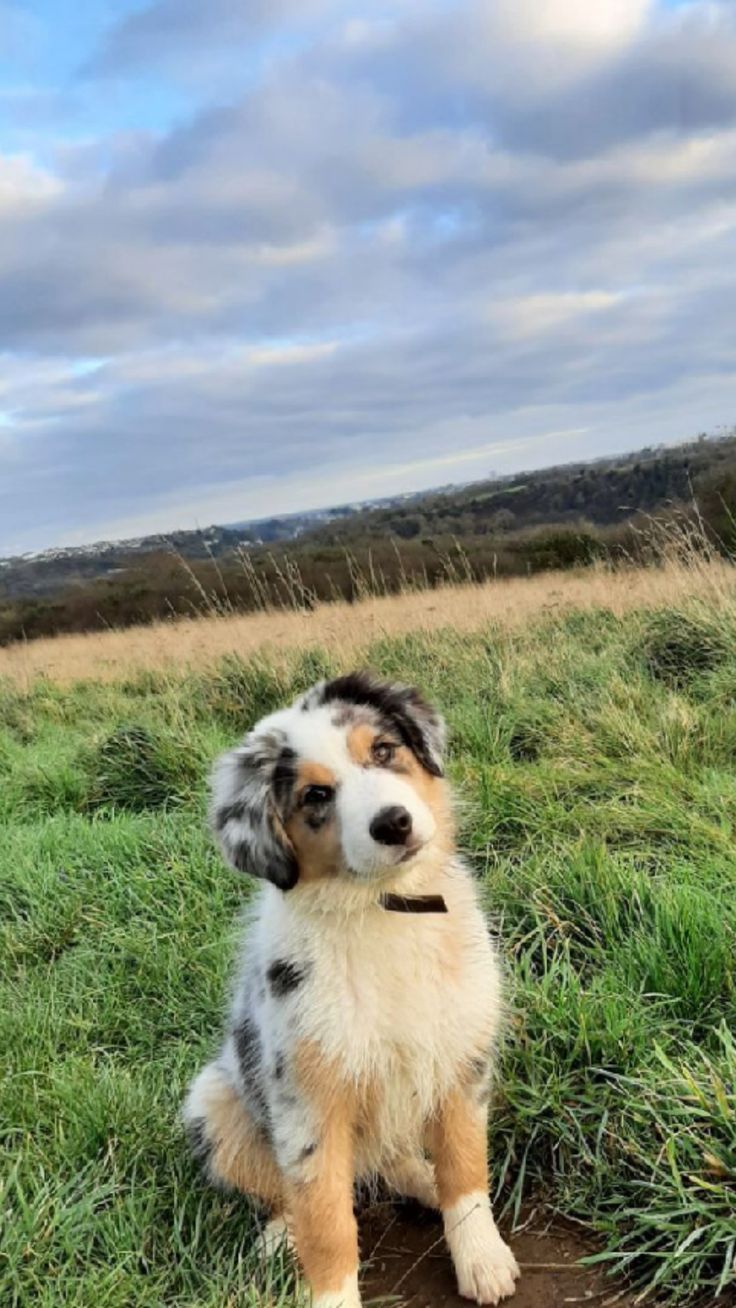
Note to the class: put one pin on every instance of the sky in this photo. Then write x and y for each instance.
(258, 256)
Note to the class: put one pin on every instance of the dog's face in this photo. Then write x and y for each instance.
(347, 781)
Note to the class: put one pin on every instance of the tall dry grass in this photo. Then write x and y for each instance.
(348, 628)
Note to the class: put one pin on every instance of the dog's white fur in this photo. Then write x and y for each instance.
(408, 1004)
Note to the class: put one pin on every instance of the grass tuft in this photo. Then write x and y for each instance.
(677, 645)
(134, 769)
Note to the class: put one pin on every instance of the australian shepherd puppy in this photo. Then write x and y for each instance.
(362, 1032)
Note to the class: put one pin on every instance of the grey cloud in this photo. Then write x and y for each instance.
(342, 270)
(234, 219)
(172, 30)
(234, 422)
(684, 83)
(677, 73)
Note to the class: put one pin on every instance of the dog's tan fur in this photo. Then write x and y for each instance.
(317, 852)
(239, 1156)
(321, 1207)
(458, 1146)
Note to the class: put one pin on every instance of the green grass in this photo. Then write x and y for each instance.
(596, 763)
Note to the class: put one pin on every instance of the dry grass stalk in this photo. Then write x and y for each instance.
(512, 602)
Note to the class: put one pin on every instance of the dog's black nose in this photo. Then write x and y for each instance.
(391, 826)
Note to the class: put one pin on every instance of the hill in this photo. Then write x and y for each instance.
(45, 572)
(527, 522)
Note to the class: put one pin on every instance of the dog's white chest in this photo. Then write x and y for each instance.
(400, 999)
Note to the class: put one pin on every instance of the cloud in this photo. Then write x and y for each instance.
(24, 186)
(532, 315)
(411, 237)
(562, 78)
(169, 31)
(522, 48)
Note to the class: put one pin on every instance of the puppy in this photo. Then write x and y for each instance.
(363, 1028)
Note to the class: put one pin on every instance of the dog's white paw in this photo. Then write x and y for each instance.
(348, 1296)
(489, 1278)
(485, 1266)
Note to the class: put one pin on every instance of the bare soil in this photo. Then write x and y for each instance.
(403, 1256)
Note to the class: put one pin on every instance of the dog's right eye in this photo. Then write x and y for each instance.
(317, 795)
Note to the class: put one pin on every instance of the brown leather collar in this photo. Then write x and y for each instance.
(413, 903)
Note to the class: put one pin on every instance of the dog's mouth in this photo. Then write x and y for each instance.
(410, 851)
(401, 858)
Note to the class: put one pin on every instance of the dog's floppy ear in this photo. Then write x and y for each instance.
(419, 725)
(246, 788)
(423, 727)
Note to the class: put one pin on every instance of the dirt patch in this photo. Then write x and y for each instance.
(403, 1256)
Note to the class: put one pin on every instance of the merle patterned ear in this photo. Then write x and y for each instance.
(246, 786)
(425, 727)
(420, 726)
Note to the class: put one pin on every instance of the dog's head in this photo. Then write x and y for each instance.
(347, 781)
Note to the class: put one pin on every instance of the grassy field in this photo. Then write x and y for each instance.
(594, 752)
(345, 630)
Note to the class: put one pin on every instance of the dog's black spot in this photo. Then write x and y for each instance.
(278, 1066)
(307, 1151)
(401, 706)
(284, 976)
(241, 857)
(283, 869)
(234, 812)
(284, 777)
(258, 1105)
(247, 1047)
(250, 1059)
(316, 818)
(199, 1144)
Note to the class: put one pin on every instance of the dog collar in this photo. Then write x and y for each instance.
(413, 903)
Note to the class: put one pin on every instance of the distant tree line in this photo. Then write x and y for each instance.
(557, 518)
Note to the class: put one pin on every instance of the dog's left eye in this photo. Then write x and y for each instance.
(317, 795)
(383, 752)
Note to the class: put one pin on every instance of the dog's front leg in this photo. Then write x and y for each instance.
(320, 1203)
(485, 1266)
